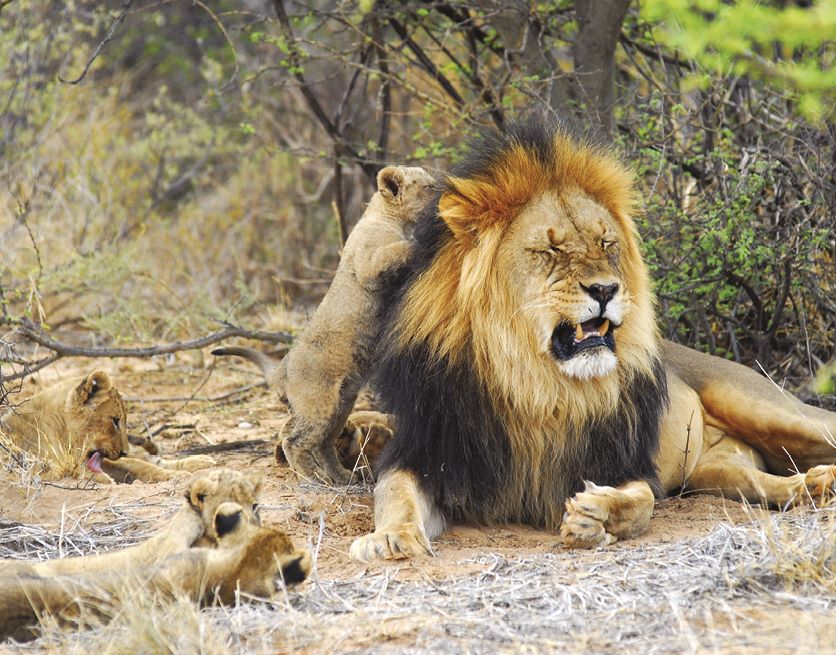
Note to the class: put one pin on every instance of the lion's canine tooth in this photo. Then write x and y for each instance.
(605, 327)
(578, 332)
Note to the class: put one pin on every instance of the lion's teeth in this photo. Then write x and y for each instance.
(578, 332)
(605, 327)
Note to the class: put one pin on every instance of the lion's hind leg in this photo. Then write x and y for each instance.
(599, 515)
(732, 469)
(404, 520)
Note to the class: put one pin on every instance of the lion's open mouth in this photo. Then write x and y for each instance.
(568, 340)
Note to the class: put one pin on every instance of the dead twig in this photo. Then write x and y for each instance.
(222, 447)
(126, 5)
(33, 332)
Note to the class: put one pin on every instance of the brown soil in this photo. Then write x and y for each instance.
(326, 519)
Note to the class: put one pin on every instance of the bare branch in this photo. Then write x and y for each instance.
(313, 102)
(34, 333)
(126, 5)
(427, 63)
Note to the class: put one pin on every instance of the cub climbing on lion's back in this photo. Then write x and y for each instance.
(330, 360)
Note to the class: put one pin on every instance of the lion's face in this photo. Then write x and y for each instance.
(97, 419)
(562, 259)
(210, 489)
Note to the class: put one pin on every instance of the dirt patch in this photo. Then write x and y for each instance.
(698, 579)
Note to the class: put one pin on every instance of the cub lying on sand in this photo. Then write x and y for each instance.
(247, 558)
(192, 525)
(330, 360)
(80, 423)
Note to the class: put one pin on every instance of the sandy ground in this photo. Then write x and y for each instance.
(205, 403)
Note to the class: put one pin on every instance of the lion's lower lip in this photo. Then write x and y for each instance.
(569, 340)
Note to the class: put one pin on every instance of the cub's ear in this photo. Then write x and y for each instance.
(256, 480)
(227, 518)
(390, 181)
(95, 383)
(198, 490)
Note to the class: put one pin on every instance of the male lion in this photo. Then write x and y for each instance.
(330, 360)
(521, 360)
(82, 421)
(247, 559)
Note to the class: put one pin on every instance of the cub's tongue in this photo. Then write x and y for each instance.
(94, 462)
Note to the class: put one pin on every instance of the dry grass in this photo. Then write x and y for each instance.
(768, 585)
(55, 460)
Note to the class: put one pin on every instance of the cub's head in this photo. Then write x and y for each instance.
(97, 419)
(533, 270)
(405, 190)
(212, 488)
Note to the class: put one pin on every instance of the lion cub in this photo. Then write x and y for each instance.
(330, 359)
(79, 426)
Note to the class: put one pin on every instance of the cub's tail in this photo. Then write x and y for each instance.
(271, 368)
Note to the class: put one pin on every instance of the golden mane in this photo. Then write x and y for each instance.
(463, 374)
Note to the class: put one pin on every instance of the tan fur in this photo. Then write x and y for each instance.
(527, 240)
(329, 361)
(744, 436)
(247, 559)
(63, 424)
(191, 525)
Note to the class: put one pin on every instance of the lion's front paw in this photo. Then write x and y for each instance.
(315, 463)
(584, 519)
(821, 482)
(401, 542)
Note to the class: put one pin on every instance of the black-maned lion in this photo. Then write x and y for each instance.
(523, 366)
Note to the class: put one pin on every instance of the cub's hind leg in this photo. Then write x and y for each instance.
(732, 469)
(404, 520)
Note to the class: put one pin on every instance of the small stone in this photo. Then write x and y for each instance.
(245, 425)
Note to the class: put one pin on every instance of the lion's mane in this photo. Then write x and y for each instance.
(491, 429)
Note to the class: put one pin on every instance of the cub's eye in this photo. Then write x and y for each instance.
(116, 422)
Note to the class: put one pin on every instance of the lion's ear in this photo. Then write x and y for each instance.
(256, 480)
(93, 384)
(460, 210)
(227, 518)
(198, 490)
(390, 182)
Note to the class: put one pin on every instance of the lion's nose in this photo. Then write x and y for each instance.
(602, 293)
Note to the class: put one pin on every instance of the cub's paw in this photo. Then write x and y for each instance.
(365, 434)
(195, 463)
(821, 482)
(583, 521)
(401, 542)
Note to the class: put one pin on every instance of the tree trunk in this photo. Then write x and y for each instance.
(599, 24)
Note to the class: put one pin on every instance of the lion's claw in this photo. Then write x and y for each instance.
(401, 542)
(584, 519)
